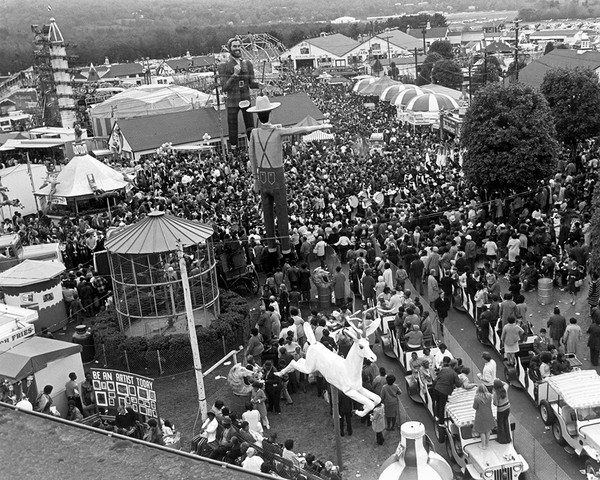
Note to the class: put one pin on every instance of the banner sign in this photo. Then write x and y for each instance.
(113, 388)
(24, 331)
(59, 200)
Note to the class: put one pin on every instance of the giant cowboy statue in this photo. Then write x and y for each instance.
(266, 157)
(237, 78)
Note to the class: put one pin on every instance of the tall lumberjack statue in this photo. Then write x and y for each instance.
(266, 157)
(237, 78)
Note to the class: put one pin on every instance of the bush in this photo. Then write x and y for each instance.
(233, 325)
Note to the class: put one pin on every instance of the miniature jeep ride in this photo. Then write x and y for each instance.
(570, 404)
(497, 462)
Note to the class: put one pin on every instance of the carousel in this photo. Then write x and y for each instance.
(144, 265)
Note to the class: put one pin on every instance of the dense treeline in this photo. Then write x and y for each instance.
(131, 29)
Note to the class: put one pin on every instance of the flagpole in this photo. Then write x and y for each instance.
(37, 206)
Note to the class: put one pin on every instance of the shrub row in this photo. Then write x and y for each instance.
(233, 325)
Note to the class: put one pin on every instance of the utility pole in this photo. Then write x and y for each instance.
(484, 68)
(416, 65)
(470, 64)
(189, 311)
(424, 32)
(387, 39)
(516, 49)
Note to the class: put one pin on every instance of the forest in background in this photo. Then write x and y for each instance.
(128, 30)
(132, 29)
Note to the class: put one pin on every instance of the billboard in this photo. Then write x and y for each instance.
(113, 388)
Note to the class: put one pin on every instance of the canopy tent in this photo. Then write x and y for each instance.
(30, 272)
(405, 96)
(392, 90)
(325, 76)
(14, 143)
(143, 101)
(74, 180)
(17, 180)
(407, 88)
(451, 92)
(339, 81)
(377, 87)
(432, 103)
(362, 83)
(34, 355)
(307, 121)
(318, 136)
(158, 232)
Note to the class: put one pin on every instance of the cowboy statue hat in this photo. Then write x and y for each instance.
(263, 105)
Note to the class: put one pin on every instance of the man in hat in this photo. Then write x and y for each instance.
(237, 78)
(266, 157)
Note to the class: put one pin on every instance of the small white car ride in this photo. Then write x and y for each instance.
(497, 462)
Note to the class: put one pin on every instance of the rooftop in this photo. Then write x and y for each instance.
(533, 74)
(337, 44)
(69, 449)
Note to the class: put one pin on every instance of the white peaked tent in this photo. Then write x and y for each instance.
(82, 178)
(73, 180)
(318, 136)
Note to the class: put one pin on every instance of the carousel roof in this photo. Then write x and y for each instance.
(73, 178)
(30, 272)
(158, 232)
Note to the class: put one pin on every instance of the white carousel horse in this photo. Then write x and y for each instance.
(343, 373)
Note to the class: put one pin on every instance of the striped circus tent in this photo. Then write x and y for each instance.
(407, 86)
(376, 88)
(390, 91)
(405, 96)
(362, 83)
(431, 102)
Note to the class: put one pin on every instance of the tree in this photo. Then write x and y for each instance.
(594, 258)
(447, 73)
(377, 66)
(511, 68)
(509, 139)
(574, 98)
(549, 47)
(443, 47)
(424, 76)
(489, 71)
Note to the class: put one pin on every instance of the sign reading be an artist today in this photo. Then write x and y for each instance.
(113, 388)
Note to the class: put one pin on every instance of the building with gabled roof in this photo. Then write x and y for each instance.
(431, 35)
(533, 74)
(400, 44)
(143, 135)
(325, 51)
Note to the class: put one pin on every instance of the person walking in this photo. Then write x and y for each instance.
(273, 387)
(259, 402)
(511, 335)
(378, 423)
(488, 374)
(442, 307)
(484, 417)
(557, 325)
(571, 337)
(594, 291)
(389, 398)
(345, 410)
(594, 341)
(500, 400)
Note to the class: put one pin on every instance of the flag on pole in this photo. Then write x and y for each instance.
(49, 7)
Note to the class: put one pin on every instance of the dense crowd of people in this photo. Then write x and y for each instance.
(417, 221)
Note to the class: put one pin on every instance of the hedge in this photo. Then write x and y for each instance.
(233, 324)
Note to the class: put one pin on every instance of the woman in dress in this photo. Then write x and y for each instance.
(571, 336)
(500, 398)
(389, 398)
(258, 400)
(484, 417)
